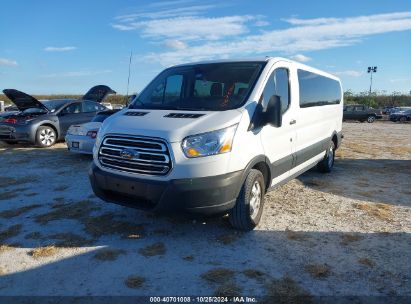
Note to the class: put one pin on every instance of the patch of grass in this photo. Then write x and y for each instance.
(61, 188)
(106, 225)
(229, 289)
(379, 210)
(318, 271)
(33, 235)
(8, 195)
(5, 247)
(188, 258)
(134, 281)
(229, 238)
(76, 211)
(42, 252)
(218, 275)
(153, 250)
(17, 211)
(10, 232)
(347, 239)
(109, 254)
(69, 239)
(367, 262)
(286, 290)
(253, 274)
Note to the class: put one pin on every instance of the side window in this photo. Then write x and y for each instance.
(277, 84)
(90, 106)
(359, 108)
(349, 108)
(167, 92)
(74, 108)
(173, 89)
(317, 90)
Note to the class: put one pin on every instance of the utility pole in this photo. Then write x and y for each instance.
(371, 70)
(129, 66)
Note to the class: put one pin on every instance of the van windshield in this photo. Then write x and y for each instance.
(212, 87)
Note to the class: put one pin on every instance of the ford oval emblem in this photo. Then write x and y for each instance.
(128, 154)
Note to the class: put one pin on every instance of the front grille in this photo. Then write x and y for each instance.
(142, 155)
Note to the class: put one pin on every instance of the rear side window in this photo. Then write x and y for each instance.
(277, 84)
(317, 90)
(91, 106)
(74, 108)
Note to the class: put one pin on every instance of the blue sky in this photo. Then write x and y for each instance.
(68, 46)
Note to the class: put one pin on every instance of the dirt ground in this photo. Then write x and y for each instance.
(346, 233)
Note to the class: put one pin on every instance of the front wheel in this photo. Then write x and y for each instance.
(370, 119)
(326, 165)
(45, 136)
(248, 209)
(403, 119)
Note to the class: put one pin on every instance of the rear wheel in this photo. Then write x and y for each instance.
(248, 209)
(403, 119)
(370, 119)
(45, 136)
(326, 165)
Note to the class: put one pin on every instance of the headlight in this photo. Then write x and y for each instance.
(210, 143)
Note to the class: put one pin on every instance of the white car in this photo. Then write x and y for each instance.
(81, 138)
(213, 137)
(108, 105)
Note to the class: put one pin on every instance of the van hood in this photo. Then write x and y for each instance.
(23, 101)
(171, 125)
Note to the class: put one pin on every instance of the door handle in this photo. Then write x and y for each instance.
(292, 121)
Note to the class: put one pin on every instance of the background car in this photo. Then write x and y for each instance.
(402, 115)
(361, 113)
(81, 138)
(44, 122)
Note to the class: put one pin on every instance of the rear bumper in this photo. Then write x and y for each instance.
(206, 195)
(85, 144)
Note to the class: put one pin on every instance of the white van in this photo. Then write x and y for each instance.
(213, 137)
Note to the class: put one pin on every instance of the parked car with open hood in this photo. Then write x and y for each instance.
(81, 138)
(213, 137)
(44, 122)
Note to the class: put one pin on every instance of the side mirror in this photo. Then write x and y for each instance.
(273, 115)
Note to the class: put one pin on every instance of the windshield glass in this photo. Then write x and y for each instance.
(213, 87)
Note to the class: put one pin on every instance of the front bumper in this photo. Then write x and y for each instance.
(85, 144)
(205, 195)
(16, 133)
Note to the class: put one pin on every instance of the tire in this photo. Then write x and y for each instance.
(326, 165)
(370, 119)
(403, 119)
(243, 216)
(45, 136)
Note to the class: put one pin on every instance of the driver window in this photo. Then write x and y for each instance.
(74, 108)
(277, 84)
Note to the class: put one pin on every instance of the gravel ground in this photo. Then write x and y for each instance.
(343, 233)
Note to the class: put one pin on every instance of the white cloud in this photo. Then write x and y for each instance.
(77, 74)
(175, 44)
(8, 62)
(60, 49)
(301, 58)
(189, 28)
(308, 35)
(349, 73)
